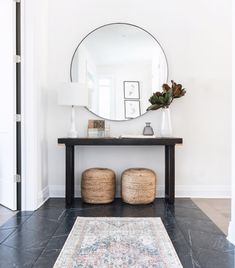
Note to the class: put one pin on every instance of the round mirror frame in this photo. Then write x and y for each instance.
(114, 23)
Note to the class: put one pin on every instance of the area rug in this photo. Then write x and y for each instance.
(118, 242)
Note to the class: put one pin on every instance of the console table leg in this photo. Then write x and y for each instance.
(170, 174)
(69, 191)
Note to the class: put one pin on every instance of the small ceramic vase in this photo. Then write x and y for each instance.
(148, 130)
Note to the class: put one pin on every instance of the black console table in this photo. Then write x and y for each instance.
(169, 144)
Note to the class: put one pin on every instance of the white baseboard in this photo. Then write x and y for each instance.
(59, 191)
(205, 191)
(231, 232)
(43, 196)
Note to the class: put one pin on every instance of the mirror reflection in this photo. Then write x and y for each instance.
(122, 65)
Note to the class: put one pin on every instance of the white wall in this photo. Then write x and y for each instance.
(34, 102)
(231, 232)
(196, 37)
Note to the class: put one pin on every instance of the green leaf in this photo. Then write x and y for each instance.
(154, 107)
(168, 97)
(161, 99)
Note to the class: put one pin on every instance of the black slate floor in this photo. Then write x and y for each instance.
(34, 239)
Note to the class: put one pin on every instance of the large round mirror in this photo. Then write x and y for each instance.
(122, 66)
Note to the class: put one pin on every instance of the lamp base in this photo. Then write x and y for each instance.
(72, 134)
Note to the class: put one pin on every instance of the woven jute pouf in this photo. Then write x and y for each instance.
(138, 186)
(98, 185)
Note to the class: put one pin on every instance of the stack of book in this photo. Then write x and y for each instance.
(96, 128)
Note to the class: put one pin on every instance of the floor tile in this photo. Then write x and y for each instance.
(15, 221)
(185, 253)
(205, 225)
(56, 202)
(51, 213)
(65, 226)
(35, 239)
(5, 214)
(24, 213)
(47, 259)
(5, 233)
(56, 242)
(174, 232)
(26, 239)
(184, 203)
(215, 259)
(138, 211)
(206, 240)
(95, 211)
(18, 258)
(192, 213)
(44, 226)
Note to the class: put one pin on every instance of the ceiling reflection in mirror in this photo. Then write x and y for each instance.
(122, 66)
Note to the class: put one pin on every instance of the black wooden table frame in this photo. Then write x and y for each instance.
(168, 143)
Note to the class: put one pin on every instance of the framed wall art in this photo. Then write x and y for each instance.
(132, 108)
(131, 89)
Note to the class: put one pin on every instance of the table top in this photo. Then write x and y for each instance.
(120, 141)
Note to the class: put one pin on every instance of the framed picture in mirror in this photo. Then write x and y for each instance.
(131, 89)
(132, 108)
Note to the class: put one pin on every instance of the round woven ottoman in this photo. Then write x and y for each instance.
(138, 186)
(98, 186)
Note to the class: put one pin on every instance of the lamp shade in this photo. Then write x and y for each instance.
(73, 94)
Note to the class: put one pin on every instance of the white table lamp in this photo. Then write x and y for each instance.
(73, 94)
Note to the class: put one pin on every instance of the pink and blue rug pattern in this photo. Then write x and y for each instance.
(118, 242)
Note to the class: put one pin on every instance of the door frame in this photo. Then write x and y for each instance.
(18, 103)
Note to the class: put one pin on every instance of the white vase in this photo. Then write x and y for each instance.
(166, 128)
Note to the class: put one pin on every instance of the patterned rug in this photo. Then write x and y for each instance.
(118, 242)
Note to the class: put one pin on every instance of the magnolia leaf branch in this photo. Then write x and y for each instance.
(166, 97)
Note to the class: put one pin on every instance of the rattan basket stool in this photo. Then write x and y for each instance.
(138, 186)
(98, 186)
